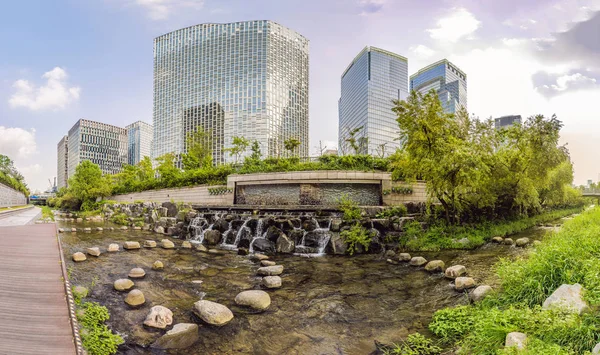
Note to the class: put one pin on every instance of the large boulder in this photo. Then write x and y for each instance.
(516, 339)
(79, 256)
(273, 233)
(270, 270)
(480, 292)
(131, 245)
(418, 261)
(462, 283)
(159, 317)
(455, 271)
(137, 273)
(310, 225)
(212, 237)
(171, 209)
(94, 251)
(336, 245)
(123, 284)
(336, 225)
(255, 299)
(183, 335)
(221, 225)
(567, 297)
(404, 257)
(159, 230)
(271, 281)
(264, 245)
(135, 298)
(435, 266)
(213, 313)
(284, 244)
(167, 244)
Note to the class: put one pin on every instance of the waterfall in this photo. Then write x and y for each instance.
(323, 236)
(259, 234)
(199, 226)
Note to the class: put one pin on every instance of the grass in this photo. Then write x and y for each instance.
(12, 208)
(441, 236)
(570, 256)
(47, 213)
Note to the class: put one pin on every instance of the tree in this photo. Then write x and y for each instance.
(88, 184)
(10, 176)
(358, 143)
(381, 150)
(255, 149)
(198, 150)
(291, 144)
(240, 144)
(167, 170)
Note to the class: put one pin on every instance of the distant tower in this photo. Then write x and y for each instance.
(139, 142)
(449, 82)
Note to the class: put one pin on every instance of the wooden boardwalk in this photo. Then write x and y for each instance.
(33, 301)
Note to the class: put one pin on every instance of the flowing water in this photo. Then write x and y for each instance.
(327, 305)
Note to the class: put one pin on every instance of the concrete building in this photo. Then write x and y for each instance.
(62, 166)
(507, 121)
(247, 79)
(139, 141)
(100, 143)
(447, 79)
(369, 84)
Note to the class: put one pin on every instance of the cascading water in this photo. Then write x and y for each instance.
(319, 238)
(259, 234)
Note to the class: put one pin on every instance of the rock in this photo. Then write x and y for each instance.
(243, 251)
(220, 225)
(135, 298)
(508, 241)
(201, 247)
(159, 317)
(149, 244)
(537, 242)
(80, 292)
(516, 339)
(418, 261)
(596, 350)
(521, 242)
(255, 299)
(271, 281)
(79, 256)
(186, 245)
(463, 283)
(393, 262)
(480, 292)
(267, 263)
(159, 230)
(79, 220)
(95, 251)
(212, 313)
(124, 228)
(567, 297)
(435, 266)
(284, 244)
(464, 241)
(260, 257)
(336, 224)
(183, 335)
(404, 257)
(167, 244)
(158, 265)
(171, 209)
(455, 271)
(498, 240)
(61, 230)
(131, 245)
(137, 273)
(74, 230)
(123, 284)
(264, 245)
(99, 229)
(212, 237)
(137, 228)
(270, 270)
(112, 248)
(87, 229)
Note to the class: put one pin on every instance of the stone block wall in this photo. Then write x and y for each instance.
(10, 197)
(195, 194)
(391, 198)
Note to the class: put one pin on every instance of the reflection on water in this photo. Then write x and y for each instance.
(327, 305)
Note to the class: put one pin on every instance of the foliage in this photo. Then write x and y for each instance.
(566, 257)
(88, 184)
(219, 190)
(396, 211)
(198, 150)
(356, 139)
(97, 338)
(239, 146)
(256, 155)
(10, 176)
(350, 208)
(357, 236)
(415, 344)
(403, 190)
(120, 218)
(291, 144)
(47, 213)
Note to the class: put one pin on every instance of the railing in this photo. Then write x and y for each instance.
(589, 191)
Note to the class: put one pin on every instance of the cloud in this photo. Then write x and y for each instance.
(457, 24)
(17, 142)
(162, 9)
(369, 7)
(55, 94)
(422, 51)
(550, 84)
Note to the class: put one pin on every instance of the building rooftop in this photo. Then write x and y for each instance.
(373, 49)
(433, 65)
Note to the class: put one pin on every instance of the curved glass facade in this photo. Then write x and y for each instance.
(449, 82)
(246, 79)
(369, 85)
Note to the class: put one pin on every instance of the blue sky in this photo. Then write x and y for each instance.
(62, 60)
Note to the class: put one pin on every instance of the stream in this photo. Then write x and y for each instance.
(327, 304)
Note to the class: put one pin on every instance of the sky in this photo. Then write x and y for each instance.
(63, 60)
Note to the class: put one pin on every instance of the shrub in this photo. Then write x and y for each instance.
(396, 211)
(415, 344)
(120, 218)
(355, 236)
(97, 338)
(349, 208)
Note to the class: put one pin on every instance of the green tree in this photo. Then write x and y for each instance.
(198, 150)
(291, 145)
(359, 144)
(10, 176)
(239, 146)
(255, 149)
(168, 172)
(88, 184)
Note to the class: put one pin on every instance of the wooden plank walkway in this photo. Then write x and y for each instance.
(33, 301)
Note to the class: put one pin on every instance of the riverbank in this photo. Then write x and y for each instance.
(567, 257)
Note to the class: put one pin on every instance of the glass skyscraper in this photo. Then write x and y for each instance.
(247, 79)
(139, 141)
(507, 121)
(449, 82)
(369, 84)
(62, 161)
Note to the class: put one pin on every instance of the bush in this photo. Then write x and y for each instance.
(120, 218)
(415, 344)
(396, 211)
(97, 338)
(355, 236)
(349, 208)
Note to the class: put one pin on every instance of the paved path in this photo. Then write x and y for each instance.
(33, 304)
(27, 216)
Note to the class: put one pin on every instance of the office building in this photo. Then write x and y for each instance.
(447, 79)
(369, 85)
(100, 143)
(247, 79)
(507, 121)
(139, 141)
(62, 157)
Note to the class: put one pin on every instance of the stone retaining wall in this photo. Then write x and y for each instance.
(194, 194)
(10, 197)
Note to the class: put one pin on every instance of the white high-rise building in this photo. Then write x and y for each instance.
(139, 141)
(62, 167)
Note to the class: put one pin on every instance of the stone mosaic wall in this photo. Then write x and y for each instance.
(10, 197)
